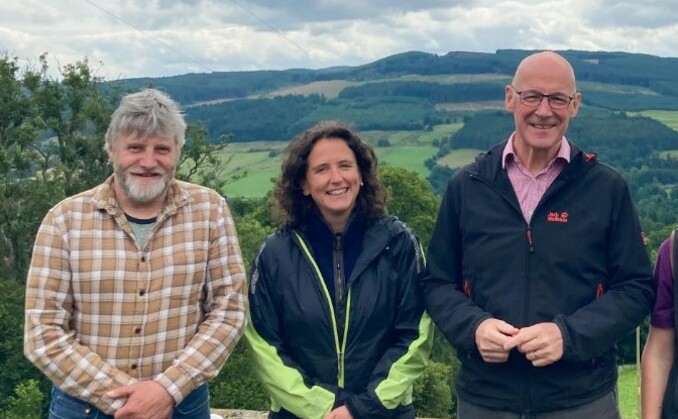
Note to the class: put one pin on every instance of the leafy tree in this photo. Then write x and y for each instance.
(200, 161)
(51, 148)
(411, 199)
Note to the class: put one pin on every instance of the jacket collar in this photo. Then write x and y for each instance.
(489, 165)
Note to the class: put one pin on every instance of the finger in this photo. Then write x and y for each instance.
(119, 392)
(506, 329)
(517, 341)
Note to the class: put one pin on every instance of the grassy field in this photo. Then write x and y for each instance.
(459, 158)
(259, 161)
(669, 118)
(629, 392)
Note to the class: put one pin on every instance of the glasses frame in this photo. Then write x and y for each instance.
(548, 98)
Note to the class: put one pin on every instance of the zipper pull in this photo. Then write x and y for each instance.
(529, 239)
(340, 369)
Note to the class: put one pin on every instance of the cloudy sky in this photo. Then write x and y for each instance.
(138, 38)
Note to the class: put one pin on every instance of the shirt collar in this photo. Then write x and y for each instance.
(563, 153)
(104, 197)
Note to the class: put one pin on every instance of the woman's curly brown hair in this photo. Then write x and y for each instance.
(292, 207)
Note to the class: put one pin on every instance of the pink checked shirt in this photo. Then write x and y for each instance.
(530, 189)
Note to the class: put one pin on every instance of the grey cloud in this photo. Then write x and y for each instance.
(646, 14)
(293, 12)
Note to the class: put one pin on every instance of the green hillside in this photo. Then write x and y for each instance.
(412, 91)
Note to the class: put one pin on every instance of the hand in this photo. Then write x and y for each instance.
(491, 336)
(541, 343)
(340, 412)
(145, 400)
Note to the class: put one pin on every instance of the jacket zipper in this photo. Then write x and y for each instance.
(340, 347)
(529, 239)
(530, 249)
(339, 291)
(338, 270)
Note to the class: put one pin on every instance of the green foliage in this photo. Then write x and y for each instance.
(237, 387)
(251, 234)
(27, 403)
(411, 199)
(432, 394)
(51, 147)
(199, 160)
(15, 368)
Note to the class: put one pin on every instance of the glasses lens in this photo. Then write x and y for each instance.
(559, 101)
(531, 98)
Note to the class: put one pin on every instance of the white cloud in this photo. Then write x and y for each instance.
(166, 37)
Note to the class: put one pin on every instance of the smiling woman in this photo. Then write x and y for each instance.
(337, 324)
(332, 181)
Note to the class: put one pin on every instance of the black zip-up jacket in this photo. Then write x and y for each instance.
(311, 361)
(581, 263)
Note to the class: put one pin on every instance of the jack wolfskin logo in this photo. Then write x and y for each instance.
(557, 217)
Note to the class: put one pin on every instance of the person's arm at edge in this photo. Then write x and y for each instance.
(224, 323)
(48, 341)
(655, 367)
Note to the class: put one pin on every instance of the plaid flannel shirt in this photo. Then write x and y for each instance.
(102, 313)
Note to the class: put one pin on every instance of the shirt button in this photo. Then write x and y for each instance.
(134, 366)
(137, 330)
(142, 292)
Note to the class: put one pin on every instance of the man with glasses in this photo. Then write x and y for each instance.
(537, 265)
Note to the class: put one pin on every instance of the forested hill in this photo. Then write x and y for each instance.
(408, 91)
(642, 70)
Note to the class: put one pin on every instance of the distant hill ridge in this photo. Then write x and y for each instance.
(632, 69)
(408, 91)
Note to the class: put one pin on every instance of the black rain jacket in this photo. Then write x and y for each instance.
(581, 262)
(312, 358)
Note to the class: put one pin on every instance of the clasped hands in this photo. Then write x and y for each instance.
(542, 343)
(144, 400)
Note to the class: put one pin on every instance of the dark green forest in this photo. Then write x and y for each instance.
(51, 146)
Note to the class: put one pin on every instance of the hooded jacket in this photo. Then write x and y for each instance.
(581, 263)
(366, 353)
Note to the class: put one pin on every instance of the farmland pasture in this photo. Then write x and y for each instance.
(459, 158)
(668, 118)
(258, 162)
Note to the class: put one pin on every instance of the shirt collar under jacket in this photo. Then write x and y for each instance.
(563, 153)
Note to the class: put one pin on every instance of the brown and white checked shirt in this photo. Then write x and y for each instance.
(102, 313)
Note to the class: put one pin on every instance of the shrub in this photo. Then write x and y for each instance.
(432, 393)
(27, 402)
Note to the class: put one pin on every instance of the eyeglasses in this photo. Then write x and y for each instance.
(533, 98)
